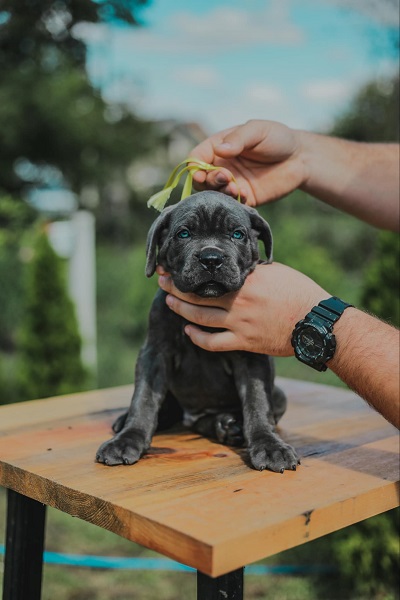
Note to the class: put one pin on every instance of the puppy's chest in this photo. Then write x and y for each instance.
(202, 377)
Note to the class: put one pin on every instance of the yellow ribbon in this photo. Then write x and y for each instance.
(189, 166)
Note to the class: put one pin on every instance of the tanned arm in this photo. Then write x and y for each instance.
(367, 360)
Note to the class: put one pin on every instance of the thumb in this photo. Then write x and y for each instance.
(242, 137)
(231, 145)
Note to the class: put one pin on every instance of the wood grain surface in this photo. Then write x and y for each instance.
(197, 501)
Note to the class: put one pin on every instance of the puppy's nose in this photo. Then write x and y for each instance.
(211, 259)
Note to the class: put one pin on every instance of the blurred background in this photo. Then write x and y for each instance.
(99, 100)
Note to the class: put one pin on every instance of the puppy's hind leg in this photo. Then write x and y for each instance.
(119, 422)
(170, 413)
(225, 428)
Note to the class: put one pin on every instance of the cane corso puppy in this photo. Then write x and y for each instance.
(209, 244)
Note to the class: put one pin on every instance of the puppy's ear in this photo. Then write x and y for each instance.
(153, 239)
(263, 232)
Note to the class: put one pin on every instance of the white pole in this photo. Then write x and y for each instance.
(82, 284)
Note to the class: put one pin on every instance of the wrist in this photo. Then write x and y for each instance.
(344, 332)
(306, 143)
(313, 337)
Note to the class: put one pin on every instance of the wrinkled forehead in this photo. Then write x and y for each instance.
(210, 211)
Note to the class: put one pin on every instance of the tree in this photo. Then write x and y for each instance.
(50, 114)
(16, 219)
(370, 548)
(45, 26)
(50, 343)
(374, 117)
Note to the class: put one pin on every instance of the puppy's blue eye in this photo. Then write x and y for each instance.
(237, 234)
(183, 234)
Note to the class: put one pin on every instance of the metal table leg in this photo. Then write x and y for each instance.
(226, 587)
(24, 548)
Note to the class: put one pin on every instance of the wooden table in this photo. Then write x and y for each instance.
(189, 498)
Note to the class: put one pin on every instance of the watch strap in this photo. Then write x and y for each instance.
(325, 314)
(330, 310)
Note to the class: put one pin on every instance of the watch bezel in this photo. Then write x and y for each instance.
(328, 343)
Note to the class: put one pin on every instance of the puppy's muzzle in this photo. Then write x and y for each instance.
(211, 258)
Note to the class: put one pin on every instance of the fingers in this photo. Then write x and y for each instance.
(160, 270)
(208, 316)
(223, 341)
(205, 150)
(165, 282)
(241, 138)
(217, 179)
(220, 181)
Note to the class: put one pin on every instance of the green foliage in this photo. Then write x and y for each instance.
(367, 556)
(124, 299)
(15, 219)
(381, 285)
(364, 558)
(321, 242)
(62, 122)
(373, 115)
(41, 26)
(50, 343)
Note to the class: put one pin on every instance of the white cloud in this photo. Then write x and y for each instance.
(192, 66)
(330, 90)
(198, 75)
(223, 28)
(231, 27)
(92, 33)
(259, 92)
(385, 12)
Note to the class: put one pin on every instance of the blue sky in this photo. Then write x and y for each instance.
(221, 62)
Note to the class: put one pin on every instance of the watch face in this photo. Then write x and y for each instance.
(311, 342)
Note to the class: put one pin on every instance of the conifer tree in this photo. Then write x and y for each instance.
(50, 343)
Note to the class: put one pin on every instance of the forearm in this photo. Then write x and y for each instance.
(358, 178)
(367, 360)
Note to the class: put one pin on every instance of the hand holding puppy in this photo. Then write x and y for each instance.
(260, 317)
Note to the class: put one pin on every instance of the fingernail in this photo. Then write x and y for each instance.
(187, 330)
(162, 280)
(224, 146)
(221, 179)
(169, 300)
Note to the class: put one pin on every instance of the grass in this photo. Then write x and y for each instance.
(124, 297)
(73, 536)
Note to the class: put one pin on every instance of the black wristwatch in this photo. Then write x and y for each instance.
(312, 339)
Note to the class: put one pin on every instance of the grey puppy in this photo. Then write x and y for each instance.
(209, 244)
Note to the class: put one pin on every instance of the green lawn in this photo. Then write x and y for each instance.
(70, 535)
(124, 297)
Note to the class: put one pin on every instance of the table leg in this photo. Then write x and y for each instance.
(24, 548)
(225, 587)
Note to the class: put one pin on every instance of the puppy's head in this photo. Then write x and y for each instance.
(208, 243)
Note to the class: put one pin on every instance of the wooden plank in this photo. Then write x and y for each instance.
(196, 501)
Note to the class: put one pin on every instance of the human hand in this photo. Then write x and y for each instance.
(265, 158)
(260, 317)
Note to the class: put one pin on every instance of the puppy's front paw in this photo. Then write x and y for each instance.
(270, 452)
(124, 449)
